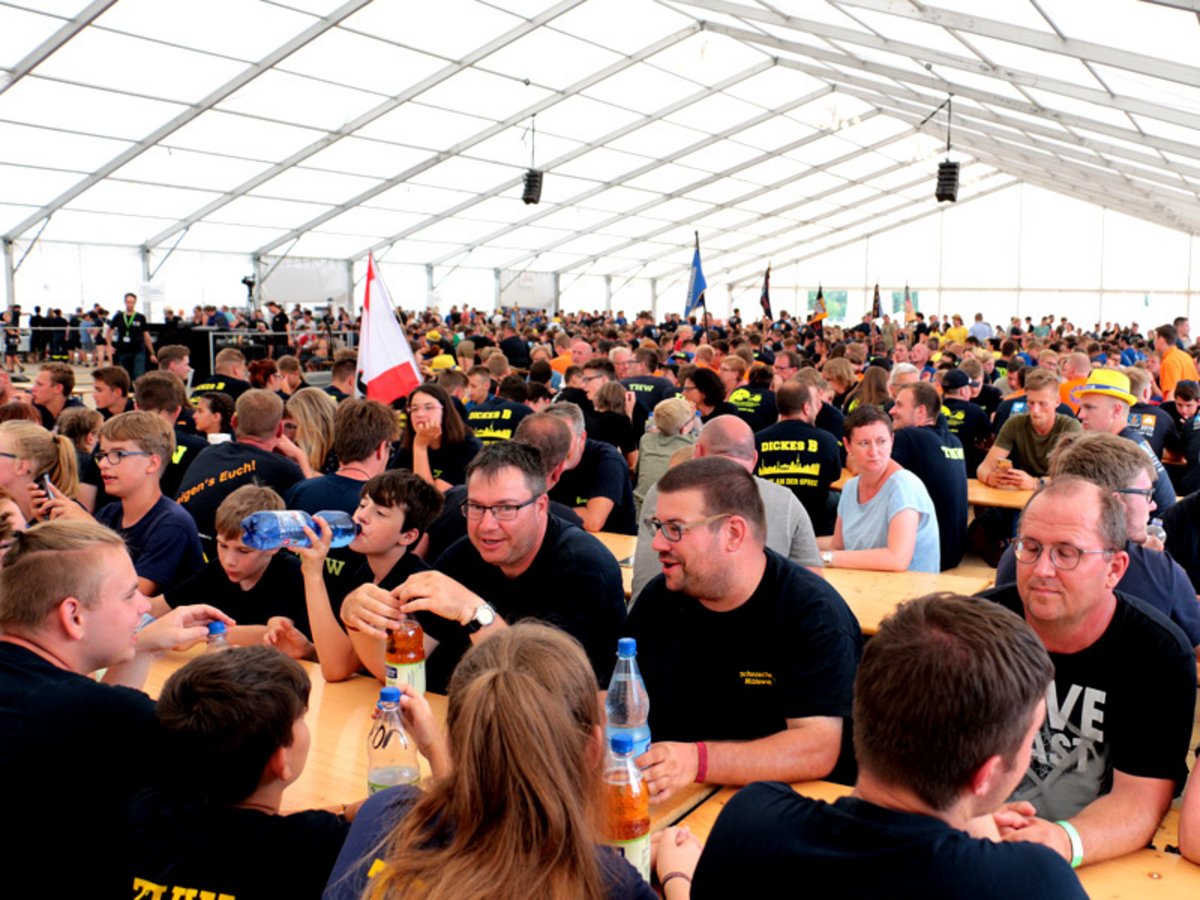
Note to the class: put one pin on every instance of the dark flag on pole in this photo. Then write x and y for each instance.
(876, 305)
(765, 297)
(821, 312)
(696, 283)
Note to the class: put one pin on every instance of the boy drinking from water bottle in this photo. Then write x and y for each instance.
(255, 587)
(395, 509)
(213, 827)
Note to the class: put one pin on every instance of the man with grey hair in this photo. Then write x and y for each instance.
(789, 529)
(595, 482)
(1114, 745)
(902, 374)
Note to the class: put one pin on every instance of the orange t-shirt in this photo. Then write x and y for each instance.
(1176, 366)
(1066, 392)
(560, 363)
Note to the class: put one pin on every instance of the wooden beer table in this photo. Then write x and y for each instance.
(978, 493)
(1141, 875)
(873, 595)
(338, 713)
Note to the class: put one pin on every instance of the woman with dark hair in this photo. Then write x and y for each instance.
(704, 389)
(886, 520)
(436, 444)
(214, 416)
(512, 813)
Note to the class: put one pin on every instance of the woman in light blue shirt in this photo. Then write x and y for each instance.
(886, 520)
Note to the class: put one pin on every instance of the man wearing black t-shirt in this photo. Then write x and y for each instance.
(517, 562)
(129, 336)
(636, 371)
(69, 606)
(966, 421)
(229, 376)
(924, 446)
(940, 665)
(280, 328)
(798, 455)
(596, 483)
(1114, 745)
(732, 627)
(251, 459)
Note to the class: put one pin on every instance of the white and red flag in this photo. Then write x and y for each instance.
(387, 368)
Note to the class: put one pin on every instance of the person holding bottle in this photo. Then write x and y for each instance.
(395, 510)
(512, 813)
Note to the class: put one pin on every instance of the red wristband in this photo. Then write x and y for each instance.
(702, 762)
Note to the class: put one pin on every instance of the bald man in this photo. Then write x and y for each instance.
(789, 529)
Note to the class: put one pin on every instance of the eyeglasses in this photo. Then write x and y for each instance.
(9, 455)
(430, 408)
(1146, 493)
(673, 531)
(115, 457)
(504, 512)
(1064, 557)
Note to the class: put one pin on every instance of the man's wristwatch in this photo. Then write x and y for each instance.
(827, 557)
(484, 616)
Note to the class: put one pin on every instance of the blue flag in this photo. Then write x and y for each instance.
(696, 283)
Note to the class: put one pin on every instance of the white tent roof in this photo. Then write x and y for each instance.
(779, 130)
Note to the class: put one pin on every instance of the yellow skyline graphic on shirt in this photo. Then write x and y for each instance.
(794, 467)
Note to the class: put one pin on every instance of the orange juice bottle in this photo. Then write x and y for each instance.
(627, 813)
(405, 655)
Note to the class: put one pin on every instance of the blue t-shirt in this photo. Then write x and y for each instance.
(164, 543)
(382, 811)
(865, 526)
(315, 495)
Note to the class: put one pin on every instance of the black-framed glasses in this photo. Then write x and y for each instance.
(1062, 556)
(503, 512)
(674, 531)
(1147, 493)
(116, 457)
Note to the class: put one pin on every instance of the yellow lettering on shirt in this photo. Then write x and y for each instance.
(148, 890)
(762, 678)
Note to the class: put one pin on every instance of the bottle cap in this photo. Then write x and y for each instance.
(216, 627)
(622, 743)
(627, 648)
(389, 695)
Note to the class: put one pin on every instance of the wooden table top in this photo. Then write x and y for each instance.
(1149, 873)
(619, 545)
(338, 715)
(873, 595)
(978, 493)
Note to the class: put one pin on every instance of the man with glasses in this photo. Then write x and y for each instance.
(517, 562)
(749, 659)
(1114, 745)
(1119, 467)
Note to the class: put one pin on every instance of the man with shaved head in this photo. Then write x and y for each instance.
(789, 529)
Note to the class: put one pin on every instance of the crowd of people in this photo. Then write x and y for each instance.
(994, 742)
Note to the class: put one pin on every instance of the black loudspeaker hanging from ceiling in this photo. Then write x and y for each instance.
(947, 182)
(533, 178)
(947, 177)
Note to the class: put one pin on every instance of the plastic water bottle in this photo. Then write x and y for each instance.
(405, 655)
(627, 705)
(217, 639)
(391, 753)
(269, 529)
(627, 805)
(1155, 529)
